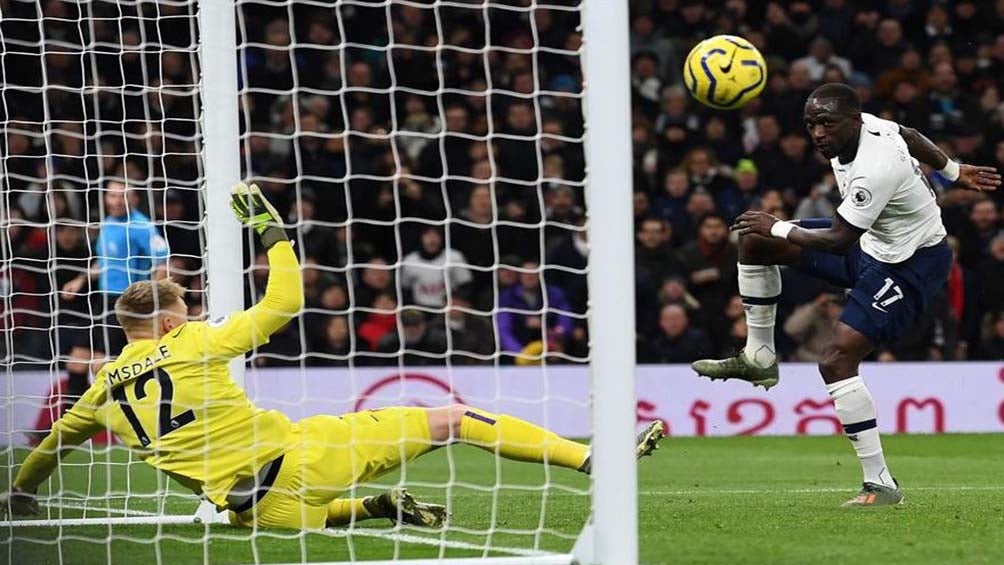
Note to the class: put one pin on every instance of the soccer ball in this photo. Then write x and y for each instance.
(725, 72)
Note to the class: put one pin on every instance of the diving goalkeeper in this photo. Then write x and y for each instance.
(169, 397)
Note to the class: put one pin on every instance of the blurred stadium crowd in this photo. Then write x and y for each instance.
(430, 164)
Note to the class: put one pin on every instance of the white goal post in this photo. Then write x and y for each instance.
(226, 125)
(611, 236)
(221, 138)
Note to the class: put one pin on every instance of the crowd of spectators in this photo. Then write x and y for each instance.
(429, 160)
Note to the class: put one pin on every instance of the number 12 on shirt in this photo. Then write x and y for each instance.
(167, 422)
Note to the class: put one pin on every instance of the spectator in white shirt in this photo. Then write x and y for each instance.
(427, 273)
(821, 56)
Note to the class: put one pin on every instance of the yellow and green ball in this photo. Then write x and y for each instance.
(725, 72)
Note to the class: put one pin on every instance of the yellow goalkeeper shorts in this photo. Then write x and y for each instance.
(328, 456)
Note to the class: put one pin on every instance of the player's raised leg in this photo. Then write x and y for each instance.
(856, 410)
(513, 438)
(359, 447)
(760, 288)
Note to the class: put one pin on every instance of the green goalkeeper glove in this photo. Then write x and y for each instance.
(254, 210)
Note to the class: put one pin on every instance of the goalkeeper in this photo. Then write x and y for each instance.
(169, 397)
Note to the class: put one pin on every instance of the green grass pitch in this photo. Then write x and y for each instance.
(702, 500)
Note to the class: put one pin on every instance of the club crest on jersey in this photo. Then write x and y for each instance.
(218, 321)
(860, 197)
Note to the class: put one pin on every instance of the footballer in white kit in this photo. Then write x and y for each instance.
(886, 243)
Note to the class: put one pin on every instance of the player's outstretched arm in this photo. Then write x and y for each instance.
(973, 177)
(74, 428)
(284, 292)
(837, 238)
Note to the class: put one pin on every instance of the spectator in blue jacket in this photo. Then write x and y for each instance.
(529, 312)
(129, 248)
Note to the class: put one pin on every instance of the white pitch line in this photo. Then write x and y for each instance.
(437, 542)
(465, 493)
(819, 490)
(84, 507)
(338, 533)
(548, 559)
(132, 517)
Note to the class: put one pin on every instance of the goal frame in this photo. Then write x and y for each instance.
(611, 535)
(607, 112)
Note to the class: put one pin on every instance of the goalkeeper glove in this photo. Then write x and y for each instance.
(254, 210)
(18, 503)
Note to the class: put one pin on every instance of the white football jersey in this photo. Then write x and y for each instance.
(886, 194)
(427, 279)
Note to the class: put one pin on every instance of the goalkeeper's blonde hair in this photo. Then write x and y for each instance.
(140, 302)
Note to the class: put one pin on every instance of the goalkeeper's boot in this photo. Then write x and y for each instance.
(738, 367)
(646, 442)
(874, 494)
(400, 506)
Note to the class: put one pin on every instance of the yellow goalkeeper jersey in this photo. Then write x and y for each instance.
(172, 400)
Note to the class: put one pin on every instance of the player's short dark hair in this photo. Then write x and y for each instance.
(847, 98)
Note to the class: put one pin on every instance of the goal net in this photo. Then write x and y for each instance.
(429, 160)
